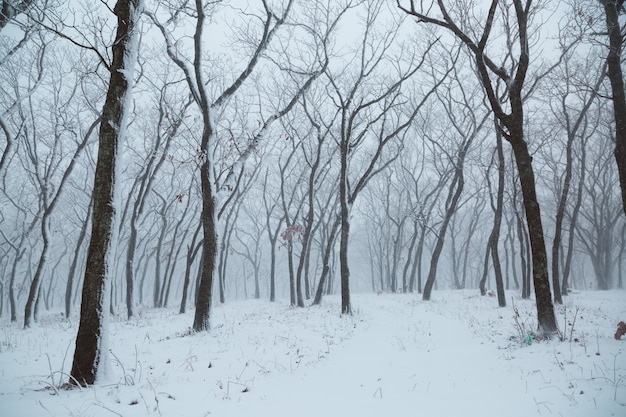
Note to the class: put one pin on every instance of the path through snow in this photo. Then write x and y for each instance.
(459, 355)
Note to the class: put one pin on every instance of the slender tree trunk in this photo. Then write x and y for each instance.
(419, 256)
(35, 283)
(156, 292)
(453, 199)
(346, 307)
(130, 266)
(192, 252)
(512, 247)
(91, 340)
(293, 288)
(495, 236)
(454, 194)
(72, 272)
(328, 250)
(307, 235)
(410, 281)
(307, 267)
(521, 237)
(273, 270)
(12, 305)
(482, 285)
(558, 228)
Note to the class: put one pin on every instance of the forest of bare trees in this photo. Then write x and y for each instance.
(183, 153)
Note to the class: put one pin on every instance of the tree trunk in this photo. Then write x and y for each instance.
(482, 285)
(72, 272)
(410, 281)
(35, 283)
(521, 238)
(12, 305)
(307, 235)
(495, 235)
(543, 297)
(156, 292)
(455, 193)
(346, 307)
(328, 250)
(91, 340)
(192, 252)
(209, 227)
(613, 59)
(273, 270)
(293, 298)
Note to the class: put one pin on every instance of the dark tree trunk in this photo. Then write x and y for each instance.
(495, 235)
(130, 266)
(482, 285)
(613, 59)
(90, 341)
(543, 297)
(346, 307)
(209, 228)
(208, 216)
(156, 299)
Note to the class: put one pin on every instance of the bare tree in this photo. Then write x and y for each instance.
(510, 122)
(91, 349)
(454, 192)
(273, 232)
(50, 196)
(169, 122)
(574, 120)
(600, 213)
(612, 9)
(494, 236)
(371, 114)
(196, 77)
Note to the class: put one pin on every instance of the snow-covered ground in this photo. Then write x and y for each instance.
(458, 355)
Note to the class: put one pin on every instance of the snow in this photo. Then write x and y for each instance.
(397, 355)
